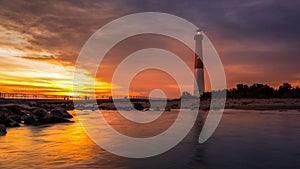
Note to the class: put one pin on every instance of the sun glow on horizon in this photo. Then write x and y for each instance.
(29, 70)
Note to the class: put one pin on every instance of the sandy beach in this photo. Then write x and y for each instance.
(252, 104)
(264, 104)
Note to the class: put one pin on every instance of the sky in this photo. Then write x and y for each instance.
(257, 41)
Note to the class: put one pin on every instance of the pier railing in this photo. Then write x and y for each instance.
(18, 95)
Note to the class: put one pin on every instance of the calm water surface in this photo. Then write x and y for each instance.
(244, 139)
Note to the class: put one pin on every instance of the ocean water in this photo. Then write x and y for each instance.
(244, 139)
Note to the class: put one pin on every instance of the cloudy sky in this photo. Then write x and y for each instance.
(258, 41)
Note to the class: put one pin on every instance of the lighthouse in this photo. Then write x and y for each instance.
(198, 71)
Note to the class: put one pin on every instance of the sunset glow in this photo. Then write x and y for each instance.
(39, 48)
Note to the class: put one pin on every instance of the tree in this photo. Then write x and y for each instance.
(285, 87)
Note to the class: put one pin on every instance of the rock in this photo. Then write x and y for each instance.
(13, 114)
(9, 122)
(138, 106)
(4, 113)
(4, 110)
(60, 112)
(63, 105)
(175, 106)
(25, 113)
(27, 119)
(33, 104)
(9, 118)
(16, 118)
(46, 119)
(15, 109)
(34, 116)
(39, 113)
(2, 118)
(40, 116)
(205, 108)
(167, 109)
(49, 118)
(69, 106)
(2, 130)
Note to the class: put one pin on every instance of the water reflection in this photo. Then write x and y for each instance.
(244, 139)
(46, 146)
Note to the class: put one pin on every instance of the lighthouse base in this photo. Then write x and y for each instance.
(199, 82)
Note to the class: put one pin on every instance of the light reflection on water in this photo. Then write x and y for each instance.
(244, 139)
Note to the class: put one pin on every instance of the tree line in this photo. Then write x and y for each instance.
(257, 90)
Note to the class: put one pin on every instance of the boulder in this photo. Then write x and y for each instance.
(138, 106)
(2, 118)
(63, 105)
(49, 118)
(34, 116)
(46, 119)
(14, 109)
(2, 130)
(4, 110)
(16, 118)
(69, 106)
(167, 109)
(9, 122)
(38, 113)
(4, 113)
(28, 119)
(61, 113)
(33, 104)
(13, 114)
(9, 118)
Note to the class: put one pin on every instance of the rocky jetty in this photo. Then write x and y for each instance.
(12, 115)
(2, 130)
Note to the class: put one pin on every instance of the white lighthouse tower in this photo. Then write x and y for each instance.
(199, 71)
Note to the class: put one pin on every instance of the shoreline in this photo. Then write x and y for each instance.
(39, 112)
(264, 104)
(105, 104)
(261, 104)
